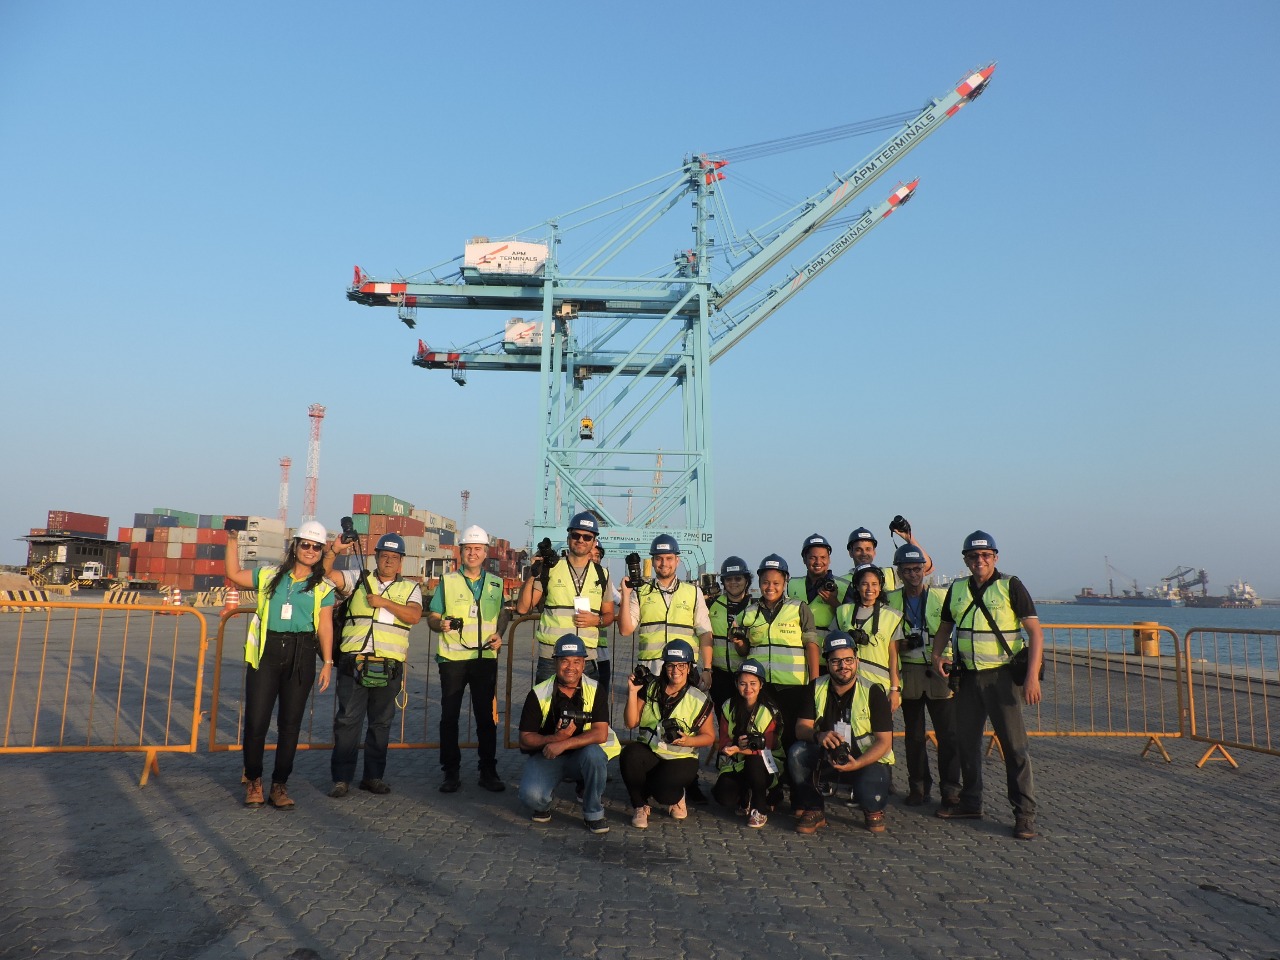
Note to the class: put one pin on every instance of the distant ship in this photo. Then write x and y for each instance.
(1240, 596)
(1164, 595)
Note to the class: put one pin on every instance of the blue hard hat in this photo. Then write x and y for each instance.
(907, 553)
(391, 541)
(979, 540)
(664, 543)
(677, 651)
(569, 646)
(862, 568)
(814, 540)
(862, 533)
(753, 667)
(838, 640)
(585, 522)
(774, 562)
(734, 567)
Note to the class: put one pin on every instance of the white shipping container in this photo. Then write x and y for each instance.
(138, 535)
(505, 258)
(261, 555)
(260, 538)
(412, 567)
(173, 551)
(264, 524)
(414, 546)
(184, 534)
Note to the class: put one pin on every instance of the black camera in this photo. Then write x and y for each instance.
(953, 676)
(840, 755)
(755, 740)
(860, 636)
(453, 623)
(900, 526)
(643, 676)
(913, 640)
(349, 534)
(710, 586)
(738, 635)
(671, 730)
(828, 582)
(635, 572)
(568, 716)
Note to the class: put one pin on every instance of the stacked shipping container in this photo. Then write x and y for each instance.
(76, 524)
(186, 550)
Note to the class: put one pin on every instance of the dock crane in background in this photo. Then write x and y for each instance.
(613, 349)
(1184, 580)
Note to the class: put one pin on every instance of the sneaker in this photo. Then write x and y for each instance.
(1024, 828)
(874, 821)
(957, 812)
(279, 797)
(742, 811)
(756, 819)
(678, 810)
(451, 782)
(640, 819)
(811, 822)
(379, 787)
(339, 790)
(597, 826)
(253, 793)
(541, 816)
(492, 782)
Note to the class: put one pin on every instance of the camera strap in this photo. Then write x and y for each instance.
(1004, 644)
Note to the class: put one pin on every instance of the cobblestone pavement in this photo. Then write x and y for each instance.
(1137, 858)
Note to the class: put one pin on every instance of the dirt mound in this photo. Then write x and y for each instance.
(15, 581)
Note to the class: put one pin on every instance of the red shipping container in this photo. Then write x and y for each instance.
(188, 551)
(360, 502)
(205, 568)
(67, 521)
(125, 534)
(377, 526)
(160, 535)
(405, 526)
(187, 566)
(187, 583)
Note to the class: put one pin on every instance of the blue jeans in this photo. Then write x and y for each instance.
(355, 704)
(541, 777)
(868, 786)
(993, 694)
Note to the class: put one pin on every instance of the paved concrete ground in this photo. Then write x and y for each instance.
(1137, 859)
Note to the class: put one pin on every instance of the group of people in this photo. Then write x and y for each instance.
(792, 691)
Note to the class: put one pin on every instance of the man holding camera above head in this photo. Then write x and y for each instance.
(844, 735)
(720, 658)
(862, 549)
(994, 667)
(380, 610)
(565, 734)
(467, 611)
(922, 687)
(574, 593)
(663, 609)
(820, 589)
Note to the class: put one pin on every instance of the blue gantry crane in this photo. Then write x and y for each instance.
(615, 350)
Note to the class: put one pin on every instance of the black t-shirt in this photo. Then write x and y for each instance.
(1019, 599)
(838, 706)
(531, 717)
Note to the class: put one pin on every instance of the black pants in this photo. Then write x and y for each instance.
(747, 788)
(723, 686)
(286, 673)
(356, 703)
(942, 713)
(481, 675)
(790, 699)
(648, 775)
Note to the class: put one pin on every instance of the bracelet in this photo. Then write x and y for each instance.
(894, 689)
(328, 663)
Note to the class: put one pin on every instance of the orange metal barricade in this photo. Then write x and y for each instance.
(97, 677)
(1233, 690)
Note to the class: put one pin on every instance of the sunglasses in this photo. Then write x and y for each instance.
(308, 545)
(582, 536)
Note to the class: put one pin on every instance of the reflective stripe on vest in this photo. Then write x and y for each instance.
(873, 657)
(660, 622)
(557, 607)
(759, 723)
(976, 644)
(933, 600)
(823, 612)
(256, 641)
(390, 640)
(778, 645)
(859, 714)
(723, 654)
(545, 694)
(692, 703)
(468, 643)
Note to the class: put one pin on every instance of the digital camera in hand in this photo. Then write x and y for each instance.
(840, 755)
(900, 526)
(635, 572)
(349, 534)
(755, 740)
(913, 640)
(453, 623)
(953, 676)
(671, 730)
(568, 716)
(642, 676)
(827, 582)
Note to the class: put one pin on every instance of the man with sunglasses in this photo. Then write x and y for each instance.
(575, 597)
(990, 613)
(845, 727)
(381, 610)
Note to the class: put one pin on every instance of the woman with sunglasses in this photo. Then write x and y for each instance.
(295, 612)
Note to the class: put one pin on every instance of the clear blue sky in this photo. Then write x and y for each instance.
(1068, 339)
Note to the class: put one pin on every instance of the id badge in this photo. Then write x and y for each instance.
(769, 763)
(581, 604)
(474, 612)
(286, 611)
(844, 731)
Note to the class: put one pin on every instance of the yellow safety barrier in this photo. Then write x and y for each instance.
(93, 677)
(1233, 690)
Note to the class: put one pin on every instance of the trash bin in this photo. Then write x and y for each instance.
(1146, 639)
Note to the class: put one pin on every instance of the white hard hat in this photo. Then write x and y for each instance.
(312, 530)
(473, 534)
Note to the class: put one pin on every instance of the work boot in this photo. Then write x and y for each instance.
(375, 785)
(253, 793)
(811, 822)
(451, 782)
(1024, 828)
(874, 821)
(279, 797)
(339, 790)
(490, 780)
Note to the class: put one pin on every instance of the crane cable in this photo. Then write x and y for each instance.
(767, 148)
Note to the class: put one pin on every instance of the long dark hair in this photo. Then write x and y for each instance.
(740, 715)
(290, 561)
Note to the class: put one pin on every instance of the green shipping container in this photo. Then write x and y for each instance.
(388, 506)
(184, 517)
(361, 522)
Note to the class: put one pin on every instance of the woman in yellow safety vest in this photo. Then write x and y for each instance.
(295, 612)
(673, 718)
(877, 629)
(752, 746)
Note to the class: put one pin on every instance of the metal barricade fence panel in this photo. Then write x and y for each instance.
(1233, 690)
(102, 678)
